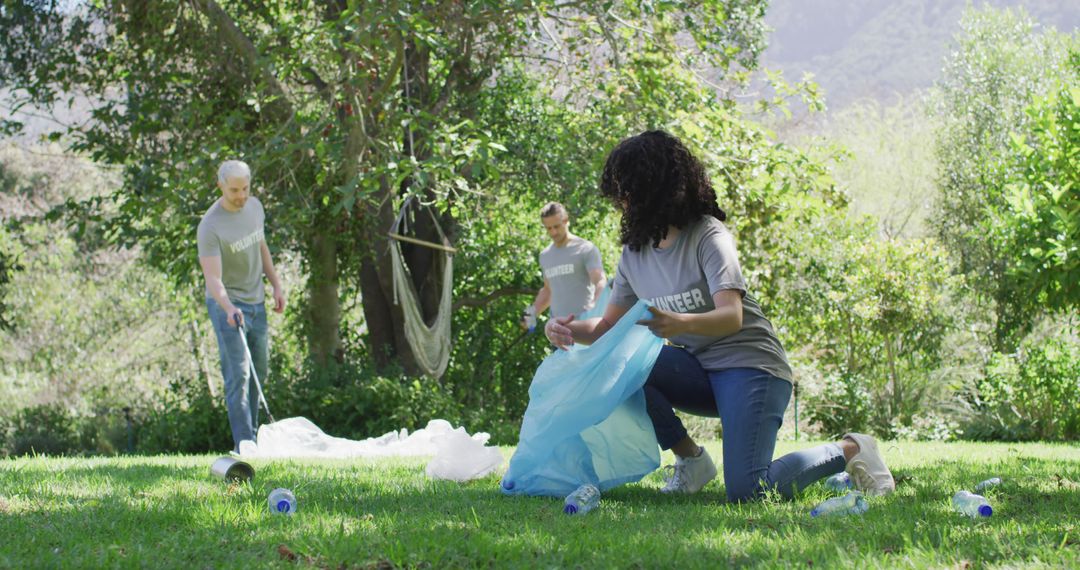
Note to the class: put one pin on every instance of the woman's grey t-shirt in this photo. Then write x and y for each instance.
(566, 270)
(236, 237)
(683, 277)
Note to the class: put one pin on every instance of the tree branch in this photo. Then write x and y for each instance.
(280, 104)
(496, 294)
(321, 86)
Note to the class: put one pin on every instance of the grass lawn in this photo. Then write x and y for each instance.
(167, 511)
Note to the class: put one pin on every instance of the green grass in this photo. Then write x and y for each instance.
(167, 511)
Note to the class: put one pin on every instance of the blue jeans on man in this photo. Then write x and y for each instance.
(750, 404)
(241, 393)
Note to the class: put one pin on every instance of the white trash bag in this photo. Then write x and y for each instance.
(461, 457)
(458, 456)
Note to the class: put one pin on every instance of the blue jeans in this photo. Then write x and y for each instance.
(241, 395)
(750, 404)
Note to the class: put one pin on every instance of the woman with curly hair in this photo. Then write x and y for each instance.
(723, 358)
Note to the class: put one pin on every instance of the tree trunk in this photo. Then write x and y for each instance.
(385, 320)
(375, 278)
(324, 309)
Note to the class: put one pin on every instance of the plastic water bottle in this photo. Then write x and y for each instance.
(988, 484)
(840, 482)
(282, 502)
(530, 318)
(852, 503)
(582, 500)
(971, 504)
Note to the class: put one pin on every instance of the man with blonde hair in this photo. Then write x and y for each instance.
(573, 271)
(234, 257)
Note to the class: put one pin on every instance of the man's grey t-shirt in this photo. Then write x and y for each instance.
(236, 237)
(566, 270)
(683, 277)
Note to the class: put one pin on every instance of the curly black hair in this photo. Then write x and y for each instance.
(657, 183)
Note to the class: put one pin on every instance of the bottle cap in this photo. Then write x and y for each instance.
(985, 510)
(283, 506)
(570, 509)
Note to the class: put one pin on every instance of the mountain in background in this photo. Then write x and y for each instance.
(880, 49)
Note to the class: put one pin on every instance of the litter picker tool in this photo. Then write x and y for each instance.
(255, 375)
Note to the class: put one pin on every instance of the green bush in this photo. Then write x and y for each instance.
(872, 314)
(105, 432)
(189, 420)
(843, 404)
(46, 429)
(356, 401)
(52, 429)
(1030, 395)
(348, 400)
(353, 400)
(931, 425)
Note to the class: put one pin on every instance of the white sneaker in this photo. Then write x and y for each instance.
(690, 474)
(867, 468)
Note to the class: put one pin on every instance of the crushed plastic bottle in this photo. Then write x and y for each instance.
(840, 482)
(988, 484)
(282, 502)
(971, 504)
(584, 499)
(852, 503)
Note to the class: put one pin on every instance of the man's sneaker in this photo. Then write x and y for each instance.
(867, 467)
(690, 474)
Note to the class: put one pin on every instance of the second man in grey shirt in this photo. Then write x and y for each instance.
(573, 271)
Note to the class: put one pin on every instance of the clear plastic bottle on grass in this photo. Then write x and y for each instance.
(584, 499)
(971, 504)
(282, 502)
(840, 482)
(988, 484)
(852, 503)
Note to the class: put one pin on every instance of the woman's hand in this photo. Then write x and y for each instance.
(665, 324)
(559, 333)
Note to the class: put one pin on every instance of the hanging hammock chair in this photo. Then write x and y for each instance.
(430, 344)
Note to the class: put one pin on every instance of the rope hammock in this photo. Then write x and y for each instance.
(430, 344)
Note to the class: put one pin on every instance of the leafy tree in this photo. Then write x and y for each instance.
(88, 324)
(1029, 395)
(344, 108)
(999, 67)
(873, 313)
(1042, 217)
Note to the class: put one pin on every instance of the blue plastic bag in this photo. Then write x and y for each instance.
(597, 310)
(586, 421)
